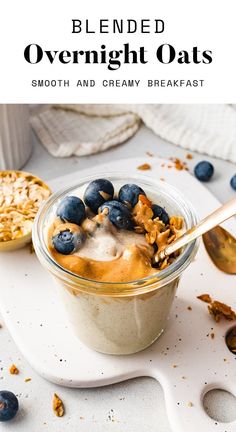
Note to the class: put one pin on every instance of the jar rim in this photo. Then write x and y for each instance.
(134, 287)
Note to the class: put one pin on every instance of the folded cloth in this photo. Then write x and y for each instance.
(72, 130)
(85, 129)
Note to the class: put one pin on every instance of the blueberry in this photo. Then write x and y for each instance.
(8, 405)
(129, 193)
(71, 209)
(161, 213)
(68, 239)
(118, 214)
(97, 193)
(204, 171)
(233, 182)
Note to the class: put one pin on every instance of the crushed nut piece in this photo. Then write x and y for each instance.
(13, 370)
(205, 297)
(156, 231)
(145, 200)
(176, 222)
(58, 406)
(144, 167)
(27, 379)
(189, 156)
(178, 164)
(218, 309)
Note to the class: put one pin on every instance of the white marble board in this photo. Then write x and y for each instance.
(35, 318)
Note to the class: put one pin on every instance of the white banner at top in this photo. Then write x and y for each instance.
(103, 51)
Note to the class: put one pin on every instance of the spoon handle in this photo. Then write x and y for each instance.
(223, 213)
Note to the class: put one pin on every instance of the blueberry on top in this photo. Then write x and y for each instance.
(71, 209)
(204, 171)
(97, 193)
(67, 238)
(233, 182)
(161, 213)
(8, 405)
(129, 193)
(118, 214)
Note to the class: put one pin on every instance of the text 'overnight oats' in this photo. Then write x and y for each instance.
(112, 236)
(99, 239)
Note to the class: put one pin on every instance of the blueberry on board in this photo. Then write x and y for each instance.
(233, 182)
(118, 214)
(129, 193)
(8, 405)
(204, 171)
(66, 241)
(161, 213)
(97, 193)
(71, 209)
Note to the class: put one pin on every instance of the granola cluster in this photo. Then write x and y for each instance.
(20, 197)
(156, 232)
(218, 309)
(58, 406)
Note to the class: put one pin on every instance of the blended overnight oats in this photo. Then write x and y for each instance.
(100, 239)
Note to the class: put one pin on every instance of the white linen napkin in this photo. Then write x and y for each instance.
(85, 129)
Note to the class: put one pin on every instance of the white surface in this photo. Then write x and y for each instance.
(186, 355)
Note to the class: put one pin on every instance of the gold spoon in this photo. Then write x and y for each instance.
(220, 245)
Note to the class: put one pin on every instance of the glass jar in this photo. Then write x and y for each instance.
(117, 318)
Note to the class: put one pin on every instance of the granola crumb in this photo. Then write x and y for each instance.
(205, 298)
(27, 379)
(145, 200)
(58, 406)
(178, 164)
(13, 370)
(225, 359)
(212, 335)
(189, 156)
(156, 232)
(183, 377)
(189, 308)
(144, 167)
(190, 404)
(175, 366)
(149, 153)
(218, 309)
(81, 418)
(162, 179)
